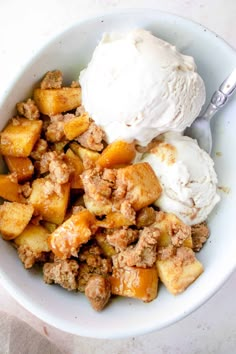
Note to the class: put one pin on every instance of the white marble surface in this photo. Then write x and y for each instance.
(210, 329)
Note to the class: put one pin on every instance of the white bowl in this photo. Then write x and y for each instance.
(70, 312)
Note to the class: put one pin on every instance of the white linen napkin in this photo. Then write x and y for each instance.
(17, 337)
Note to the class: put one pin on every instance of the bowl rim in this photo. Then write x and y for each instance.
(18, 293)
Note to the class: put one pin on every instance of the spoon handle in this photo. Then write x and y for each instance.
(221, 96)
(229, 85)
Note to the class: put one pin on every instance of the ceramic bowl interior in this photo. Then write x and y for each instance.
(70, 52)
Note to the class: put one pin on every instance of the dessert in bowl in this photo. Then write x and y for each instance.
(71, 311)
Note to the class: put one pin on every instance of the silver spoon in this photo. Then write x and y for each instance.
(200, 128)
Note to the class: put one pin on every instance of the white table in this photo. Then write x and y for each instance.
(210, 329)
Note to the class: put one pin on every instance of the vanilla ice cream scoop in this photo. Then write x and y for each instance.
(137, 86)
(187, 176)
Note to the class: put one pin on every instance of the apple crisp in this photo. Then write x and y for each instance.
(83, 210)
